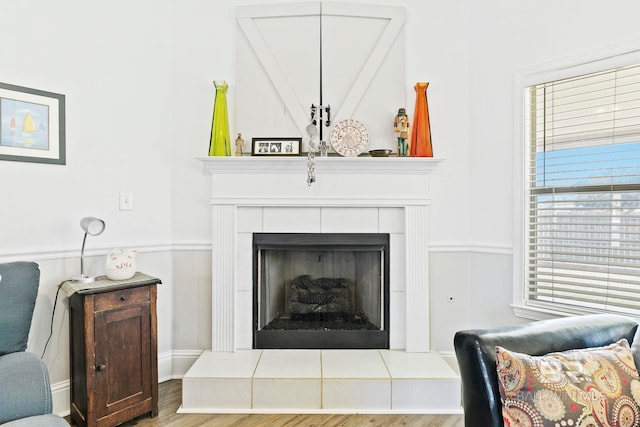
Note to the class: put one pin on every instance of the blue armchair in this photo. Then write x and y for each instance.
(25, 392)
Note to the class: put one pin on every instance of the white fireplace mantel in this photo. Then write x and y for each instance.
(343, 165)
(252, 194)
(339, 180)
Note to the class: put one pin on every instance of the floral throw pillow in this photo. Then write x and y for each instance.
(576, 388)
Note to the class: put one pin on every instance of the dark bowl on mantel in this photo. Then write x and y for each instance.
(380, 153)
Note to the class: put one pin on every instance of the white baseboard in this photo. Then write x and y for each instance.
(164, 366)
(61, 397)
(450, 358)
(182, 360)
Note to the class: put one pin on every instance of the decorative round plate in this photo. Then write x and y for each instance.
(349, 137)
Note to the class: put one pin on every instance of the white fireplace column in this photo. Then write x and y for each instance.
(417, 337)
(223, 309)
(351, 185)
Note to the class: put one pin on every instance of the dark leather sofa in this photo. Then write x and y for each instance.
(475, 351)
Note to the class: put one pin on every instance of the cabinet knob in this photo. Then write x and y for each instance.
(122, 298)
(101, 367)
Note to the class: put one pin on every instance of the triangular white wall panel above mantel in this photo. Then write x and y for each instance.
(346, 56)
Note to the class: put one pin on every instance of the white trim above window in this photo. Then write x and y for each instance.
(552, 269)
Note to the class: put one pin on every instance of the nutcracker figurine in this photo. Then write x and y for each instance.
(401, 128)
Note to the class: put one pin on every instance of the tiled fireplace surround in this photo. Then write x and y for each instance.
(350, 195)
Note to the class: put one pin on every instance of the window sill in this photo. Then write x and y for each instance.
(543, 313)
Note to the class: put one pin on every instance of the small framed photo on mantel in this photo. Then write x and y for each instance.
(276, 146)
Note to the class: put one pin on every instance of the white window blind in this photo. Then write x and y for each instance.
(583, 238)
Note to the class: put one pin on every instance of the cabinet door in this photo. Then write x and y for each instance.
(123, 358)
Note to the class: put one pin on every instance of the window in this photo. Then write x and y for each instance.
(583, 192)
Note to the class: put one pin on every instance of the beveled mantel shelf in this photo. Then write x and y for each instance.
(343, 165)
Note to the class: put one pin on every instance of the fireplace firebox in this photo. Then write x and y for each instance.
(321, 291)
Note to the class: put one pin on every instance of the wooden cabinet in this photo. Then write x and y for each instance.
(114, 363)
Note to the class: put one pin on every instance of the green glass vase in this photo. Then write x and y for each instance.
(219, 144)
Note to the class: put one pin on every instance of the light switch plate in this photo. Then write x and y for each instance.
(126, 201)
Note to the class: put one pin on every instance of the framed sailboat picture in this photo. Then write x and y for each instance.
(32, 127)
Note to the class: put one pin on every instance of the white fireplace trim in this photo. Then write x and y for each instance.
(343, 165)
(345, 183)
(260, 200)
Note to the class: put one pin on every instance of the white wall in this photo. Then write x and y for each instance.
(138, 83)
(112, 62)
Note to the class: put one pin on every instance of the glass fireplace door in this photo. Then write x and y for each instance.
(321, 290)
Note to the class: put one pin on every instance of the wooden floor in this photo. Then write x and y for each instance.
(171, 396)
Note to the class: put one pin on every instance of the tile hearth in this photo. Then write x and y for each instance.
(320, 381)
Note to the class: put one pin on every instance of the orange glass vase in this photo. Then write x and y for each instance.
(421, 130)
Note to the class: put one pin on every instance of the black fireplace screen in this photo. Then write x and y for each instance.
(321, 290)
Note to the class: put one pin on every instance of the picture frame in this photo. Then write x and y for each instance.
(32, 125)
(276, 146)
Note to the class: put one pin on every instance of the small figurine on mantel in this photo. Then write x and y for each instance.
(401, 128)
(239, 145)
